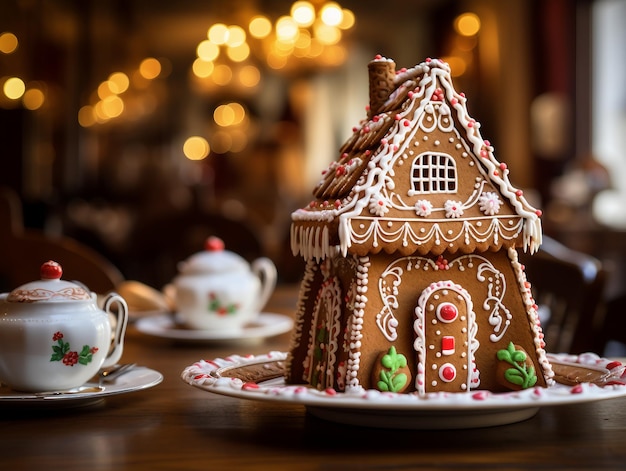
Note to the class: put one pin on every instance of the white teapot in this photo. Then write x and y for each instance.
(218, 290)
(53, 335)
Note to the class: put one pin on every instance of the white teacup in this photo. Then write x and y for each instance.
(218, 290)
(53, 335)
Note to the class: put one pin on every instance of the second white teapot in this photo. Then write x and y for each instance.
(217, 289)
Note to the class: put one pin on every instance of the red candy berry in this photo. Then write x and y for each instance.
(214, 244)
(50, 271)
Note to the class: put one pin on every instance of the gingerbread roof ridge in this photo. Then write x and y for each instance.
(431, 77)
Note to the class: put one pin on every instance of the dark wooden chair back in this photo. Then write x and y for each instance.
(568, 286)
(24, 250)
(157, 246)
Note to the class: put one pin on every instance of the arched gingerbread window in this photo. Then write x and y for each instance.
(433, 172)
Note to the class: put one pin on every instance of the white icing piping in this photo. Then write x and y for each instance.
(507, 230)
(473, 374)
(378, 170)
(355, 325)
(533, 317)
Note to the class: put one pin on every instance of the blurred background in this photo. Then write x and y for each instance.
(136, 126)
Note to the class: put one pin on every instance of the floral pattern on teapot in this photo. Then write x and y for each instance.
(61, 352)
(217, 306)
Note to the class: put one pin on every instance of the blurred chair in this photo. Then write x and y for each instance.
(24, 250)
(612, 337)
(158, 245)
(568, 287)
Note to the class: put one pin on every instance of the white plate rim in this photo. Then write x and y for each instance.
(206, 375)
(268, 324)
(136, 379)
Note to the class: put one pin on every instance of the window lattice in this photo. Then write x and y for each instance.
(434, 173)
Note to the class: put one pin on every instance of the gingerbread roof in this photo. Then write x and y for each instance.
(415, 176)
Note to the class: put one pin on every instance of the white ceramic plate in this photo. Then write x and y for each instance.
(135, 379)
(266, 325)
(261, 378)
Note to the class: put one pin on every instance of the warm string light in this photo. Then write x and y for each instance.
(223, 59)
(306, 34)
(309, 35)
(230, 57)
(14, 91)
(467, 28)
(112, 97)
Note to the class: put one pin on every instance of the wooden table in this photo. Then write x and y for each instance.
(176, 426)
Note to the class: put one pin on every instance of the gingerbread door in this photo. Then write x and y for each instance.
(445, 339)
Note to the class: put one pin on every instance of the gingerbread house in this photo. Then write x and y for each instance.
(412, 281)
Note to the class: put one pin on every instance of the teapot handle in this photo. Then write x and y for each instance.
(117, 342)
(265, 270)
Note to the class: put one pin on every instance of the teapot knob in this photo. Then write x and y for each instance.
(214, 244)
(50, 270)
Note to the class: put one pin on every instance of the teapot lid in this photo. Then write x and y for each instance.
(49, 288)
(213, 259)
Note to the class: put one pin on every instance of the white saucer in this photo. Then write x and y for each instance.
(135, 379)
(261, 378)
(266, 325)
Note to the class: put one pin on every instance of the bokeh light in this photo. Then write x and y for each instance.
(202, 68)
(286, 29)
(236, 36)
(196, 148)
(8, 42)
(218, 33)
(113, 106)
(238, 53)
(222, 74)
(303, 13)
(150, 68)
(331, 14)
(118, 82)
(467, 24)
(14, 88)
(33, 98)
(249, 76)
(229, 114)
(207, 50)
(86, 117)
(260, 27)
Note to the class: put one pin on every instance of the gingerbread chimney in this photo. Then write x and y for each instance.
(382, 73)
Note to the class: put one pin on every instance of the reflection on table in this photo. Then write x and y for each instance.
(176, 426)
